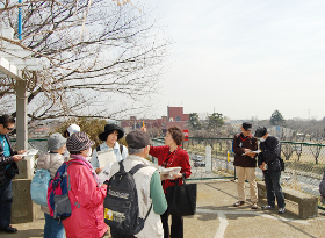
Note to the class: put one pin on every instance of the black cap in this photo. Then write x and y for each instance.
(137, 140)
(247, 126)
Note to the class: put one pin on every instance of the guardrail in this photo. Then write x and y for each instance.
(304, 162)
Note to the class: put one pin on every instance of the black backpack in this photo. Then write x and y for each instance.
(121, 210)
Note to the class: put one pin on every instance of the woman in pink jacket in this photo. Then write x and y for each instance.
(87, 219)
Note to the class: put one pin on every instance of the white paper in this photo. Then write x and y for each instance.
(169, 171)
(104, 175)
(105, 157)
(255, 151)
(30, 153)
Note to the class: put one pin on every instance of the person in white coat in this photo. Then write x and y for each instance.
(51, 161)
(148, 186)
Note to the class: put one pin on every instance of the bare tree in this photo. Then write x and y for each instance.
(94, 57)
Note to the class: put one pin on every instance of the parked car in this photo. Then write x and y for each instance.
(198, 158)
(199, 164)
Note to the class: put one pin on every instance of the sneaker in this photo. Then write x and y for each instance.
(267, 207)
(255, 206)
(239, 203)
(281, 211)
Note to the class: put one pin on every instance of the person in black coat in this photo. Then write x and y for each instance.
(270, 162)
(8, 169)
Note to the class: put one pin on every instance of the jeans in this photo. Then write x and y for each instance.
(52, 228)
(273, 187)
(6, 198)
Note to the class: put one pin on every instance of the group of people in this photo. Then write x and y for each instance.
(87, 194)
(268, 157)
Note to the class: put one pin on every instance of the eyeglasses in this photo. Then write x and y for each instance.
(10, 129)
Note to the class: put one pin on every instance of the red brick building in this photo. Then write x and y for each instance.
(158, 127)
(176, 117)
(176, 114)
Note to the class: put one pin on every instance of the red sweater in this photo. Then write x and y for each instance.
(166, 158)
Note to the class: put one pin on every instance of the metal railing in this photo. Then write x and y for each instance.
(304, 162)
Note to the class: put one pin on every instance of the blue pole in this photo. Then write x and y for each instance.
(20, 21)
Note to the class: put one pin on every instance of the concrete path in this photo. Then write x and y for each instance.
(216, 218)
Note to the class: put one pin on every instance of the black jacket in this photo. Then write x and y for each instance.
(4, 161)
(271, 154)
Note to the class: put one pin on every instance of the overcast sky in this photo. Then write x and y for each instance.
(243, 57)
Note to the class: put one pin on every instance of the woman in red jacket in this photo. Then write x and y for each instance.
(87, 218)
(172, 155)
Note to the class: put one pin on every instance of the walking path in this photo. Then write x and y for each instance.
(216, 218)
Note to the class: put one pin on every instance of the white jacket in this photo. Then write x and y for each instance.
(153, 227)
(50, 162)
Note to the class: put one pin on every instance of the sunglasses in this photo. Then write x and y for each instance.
(10, 129)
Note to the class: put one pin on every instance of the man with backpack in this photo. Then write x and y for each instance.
(8, 169)
(243, 146)
(148, 201)
(271, 163)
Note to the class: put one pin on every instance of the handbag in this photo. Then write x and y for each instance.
(181, 199)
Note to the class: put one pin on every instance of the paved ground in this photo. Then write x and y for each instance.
(216, 218)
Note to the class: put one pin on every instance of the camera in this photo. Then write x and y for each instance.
(260, 132)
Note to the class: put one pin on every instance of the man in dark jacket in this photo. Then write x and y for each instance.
(243, 145)
(270, 162)
(8, 169)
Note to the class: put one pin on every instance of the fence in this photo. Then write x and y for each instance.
(38, 144)
(304, 162)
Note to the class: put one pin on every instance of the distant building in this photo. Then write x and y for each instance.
(176, 117)
(43, 128)
(175, 114)
(113, 122)
(158, 127)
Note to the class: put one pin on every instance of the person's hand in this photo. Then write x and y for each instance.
(143, 129)
(20, 152)
(163, 176)
(104, 185)
(177, 175)
(99, 170)
(251, 154)
(247, 150)
(262, 166)
(17, 158)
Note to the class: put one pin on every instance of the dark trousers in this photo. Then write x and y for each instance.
(273, 189)
(115, 234)
(5, 203)
(177, 225)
